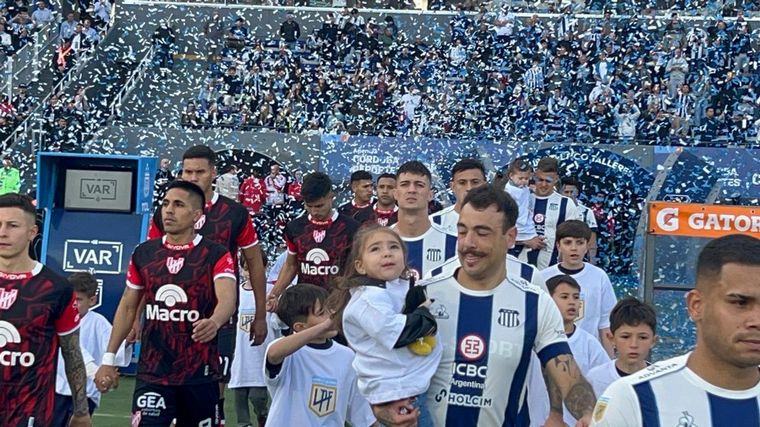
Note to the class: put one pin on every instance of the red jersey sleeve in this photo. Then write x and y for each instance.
(225, 267)
(153, 231)
(68, 321)
(134, 279)
(247, 236)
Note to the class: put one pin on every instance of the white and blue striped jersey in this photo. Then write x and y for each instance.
(428, 251)
(447, 218)
(548, 213)
(587, 215)
(488, 338)
(668, 393)
(514, 267)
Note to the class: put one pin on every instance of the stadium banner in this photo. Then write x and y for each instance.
(699, 220)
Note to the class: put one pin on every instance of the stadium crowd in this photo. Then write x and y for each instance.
(78, 34)
(609, 79)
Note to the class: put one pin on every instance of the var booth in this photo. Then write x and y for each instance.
(97, 209)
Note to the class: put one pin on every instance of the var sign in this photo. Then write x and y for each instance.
(97, 256)
(97, 189)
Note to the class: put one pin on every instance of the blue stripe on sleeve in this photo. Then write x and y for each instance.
(526, 272)
(650, 416)
(553, 350)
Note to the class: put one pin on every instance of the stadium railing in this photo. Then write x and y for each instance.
(24, 65)
(32, 126)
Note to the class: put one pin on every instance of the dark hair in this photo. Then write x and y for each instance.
(298, 302)
(351, 278)
(569, 180)
(734, 248)
(386, 175)
(632, 312)
(195, 192)
(555, 281)
(487, 195)
(467, 164)
(84, 282)
(415, 167)
(573, 228)
(360, 175)
(200, 152)
(21, 201)
(519, 165)
(548, 165)
(315, 186)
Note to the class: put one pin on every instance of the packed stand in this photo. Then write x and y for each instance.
(78, 33)
(609, 79)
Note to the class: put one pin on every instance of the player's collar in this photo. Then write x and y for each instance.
(324, 346)
(329, 221)
(24, 275)
(214, 199)
(196, 240)
(353, 203)
(386, 211)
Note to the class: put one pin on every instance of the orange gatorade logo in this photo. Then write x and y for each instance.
(696, 220)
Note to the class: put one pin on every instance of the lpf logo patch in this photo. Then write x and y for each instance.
(200, 223)
(323, 396)
(319, 235)
(246, 320)
(581, 311)
(7, 298)
(174, 264)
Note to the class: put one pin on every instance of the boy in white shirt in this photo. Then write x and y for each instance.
(246, 380)
(633, 324)
(94, 332)
(597, 296)
(308, 375)
(587, 351)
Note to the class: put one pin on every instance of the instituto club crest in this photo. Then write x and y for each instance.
(319, 235)
(7, 298)
(174, 264)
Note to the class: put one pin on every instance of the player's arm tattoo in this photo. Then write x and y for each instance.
(555, 394)
(75, 371)
(579, 396)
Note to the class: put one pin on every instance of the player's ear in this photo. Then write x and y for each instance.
(695, 304)
(609, 335)
(197, 213)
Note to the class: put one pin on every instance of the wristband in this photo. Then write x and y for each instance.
(108, 359)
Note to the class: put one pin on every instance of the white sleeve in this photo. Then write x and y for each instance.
(373, 314)
(617, 407)
(607, 302)
(359, 411)
(597, 356)
(573, 212)
(275, 379)
(590, 219)
(551, 339)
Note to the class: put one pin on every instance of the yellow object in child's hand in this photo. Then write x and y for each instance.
(423, 346)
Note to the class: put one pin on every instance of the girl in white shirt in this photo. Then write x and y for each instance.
(370, 299)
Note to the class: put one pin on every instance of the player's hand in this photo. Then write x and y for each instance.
(257, 333)
(328, 328)
(204, 330)
(106, 378)
(584, 422)
(399, 413)
(80, 421)
(555, 420)
(536, 243)
(272, 302)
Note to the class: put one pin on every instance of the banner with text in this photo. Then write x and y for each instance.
(697, 220)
